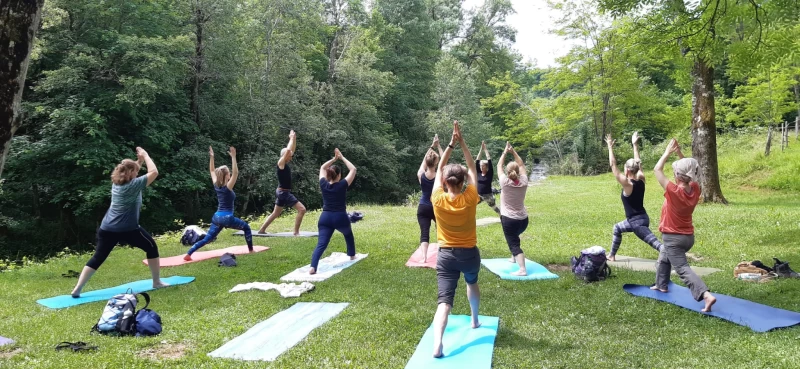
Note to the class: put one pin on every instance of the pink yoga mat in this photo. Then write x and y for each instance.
(414, 261)
(205, 255)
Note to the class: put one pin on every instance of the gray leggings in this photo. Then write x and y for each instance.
(489, 200)
(673, 255)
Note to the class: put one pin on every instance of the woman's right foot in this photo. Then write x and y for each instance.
(312, 271)
(160, 284)
(710, 300)
(438, 351)
(520, 273)
(75, 295)
(187, 257)
(424, 259)
(654, 288)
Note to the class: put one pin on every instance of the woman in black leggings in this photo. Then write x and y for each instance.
(426, 175)
(121, 222)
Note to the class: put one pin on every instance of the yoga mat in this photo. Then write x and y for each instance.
(327, 267)
(504, 268)
(65, 301)
(758, 317)
(274, 336)
(6, 341)
(487, 221)
(464, 347)
(280, 234)
(648, 265)
(416, 257)
(205, 255)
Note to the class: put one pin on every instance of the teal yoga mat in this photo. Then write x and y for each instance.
(65, 301)
(504, 268)
(464, 347)
(269, 339)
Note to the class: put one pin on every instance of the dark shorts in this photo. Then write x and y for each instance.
(450, 264)
(285, 199)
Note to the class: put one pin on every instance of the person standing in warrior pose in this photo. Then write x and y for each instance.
(485, 177)
(283, 195)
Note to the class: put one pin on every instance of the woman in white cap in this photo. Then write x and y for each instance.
(680, 199)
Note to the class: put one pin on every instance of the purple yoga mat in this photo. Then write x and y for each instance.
(6, 341)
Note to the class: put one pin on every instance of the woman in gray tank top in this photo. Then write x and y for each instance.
(513, 215)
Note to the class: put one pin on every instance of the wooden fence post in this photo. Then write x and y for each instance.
(769, 140)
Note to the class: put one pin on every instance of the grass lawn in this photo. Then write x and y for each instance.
(559, 323)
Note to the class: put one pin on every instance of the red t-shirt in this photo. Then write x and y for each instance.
(676, 214)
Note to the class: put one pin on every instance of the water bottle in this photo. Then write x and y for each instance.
(750, 276)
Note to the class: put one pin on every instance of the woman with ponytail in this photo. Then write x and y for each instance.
(223, 180)
(513, 215)
(121, 223)
(334, 207)
(677, 228)
(632, 181)
(455, 231)
(426, 175)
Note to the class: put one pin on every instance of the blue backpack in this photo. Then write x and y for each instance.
(590, 266)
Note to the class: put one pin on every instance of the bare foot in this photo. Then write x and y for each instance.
(75, 295)
(424, 259)
(612, 257)
(262, 231)
(520, 273)
(187, 257)
(438, 351)
(160, 284)
(353, 257)
(312, 271)
(476, 324)
(710, 300)
(296, 234)
(512, 260)
(654, 288)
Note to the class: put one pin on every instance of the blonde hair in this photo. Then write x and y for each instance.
(454, 175)
(633, 165)
(125, 172)
(512, 171)
(221, 172)
(431, 159)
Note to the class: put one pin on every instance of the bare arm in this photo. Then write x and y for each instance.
(635, 139)
(522, 171)
(501, 162)
(480, 151)
(234, 169)
(438, 182)
(152, 171)
(351, 174)
(211, 168)
(626, 185)
(422, 166)
(659, 169)
(323, 169)
(485, 150)
(289, 149)
(472, 173)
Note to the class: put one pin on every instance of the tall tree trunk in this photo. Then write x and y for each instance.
(19, 20)
(797, 102)
(704, 130)
(769, 141)
(199, 23)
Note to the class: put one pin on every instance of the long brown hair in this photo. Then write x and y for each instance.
(221, 173)
(125, 172)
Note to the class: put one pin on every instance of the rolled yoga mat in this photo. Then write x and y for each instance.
(504, 268)
(65, 301)
(758, 317)
(328, 267)
(464, 347)
(416, 258)
(205, 255)
(276, 335)
(649, 265)
(280, 234)
(487, 221)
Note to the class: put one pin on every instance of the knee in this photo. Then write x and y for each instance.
(301, 209)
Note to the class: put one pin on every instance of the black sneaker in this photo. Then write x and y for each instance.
(783, 269)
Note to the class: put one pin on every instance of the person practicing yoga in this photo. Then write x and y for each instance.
(633, 185)
(485, 178)
(455, 231)
(120, 225)
(680, 199)
(513, 215)
(223, 179)
(334, 207)
(426, 175)
(283, 195)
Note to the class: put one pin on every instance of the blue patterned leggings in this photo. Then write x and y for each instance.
(220, 221)
(640, 226)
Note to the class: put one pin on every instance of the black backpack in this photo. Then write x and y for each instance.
(227, 260)
(590, 267)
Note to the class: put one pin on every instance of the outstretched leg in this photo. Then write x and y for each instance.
(301, 212)
(241, 225)
(276, 212)
(325, 226)
(439, 324)
(213, 231)
(347, 231)
(106, 241)
(143, 240)
(641, 228)
(490, 201)
(424, 219)
(616, 240)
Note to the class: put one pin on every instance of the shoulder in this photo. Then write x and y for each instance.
(140, 180)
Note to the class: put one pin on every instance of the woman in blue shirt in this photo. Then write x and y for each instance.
(334, 207)
(224, 180)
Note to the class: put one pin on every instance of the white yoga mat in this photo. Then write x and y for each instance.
(285, 289)
(269, 339)
(487, 221)
(327, 267)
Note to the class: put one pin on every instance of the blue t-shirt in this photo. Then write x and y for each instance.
(225, 197)
(334, 195)
(126, 202)
(426, 185)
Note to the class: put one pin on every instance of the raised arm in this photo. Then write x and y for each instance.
(211, 168)
(522, 171)
(422, 166)
(152, 171)
(438, 182)
(485, 150)
(659, 169)
(351, 174)
(612, 161)
(472, 173)
(289, 149)
(234, 168)
(634, 140)
(501, 162)
(480, 151)
(323, 169)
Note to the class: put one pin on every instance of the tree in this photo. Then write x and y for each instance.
(19, 20)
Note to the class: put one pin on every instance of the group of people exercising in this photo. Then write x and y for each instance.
(450, 195)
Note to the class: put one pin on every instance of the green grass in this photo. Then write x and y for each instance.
(560, 323)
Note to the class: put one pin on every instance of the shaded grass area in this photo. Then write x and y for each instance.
(560, 323)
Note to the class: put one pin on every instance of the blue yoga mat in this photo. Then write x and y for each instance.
(464, 347)
(65, 301)
(6, 341)
(269, 339)
(758, 317)
(504, 268)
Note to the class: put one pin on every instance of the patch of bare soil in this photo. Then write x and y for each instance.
(694, 257)
(10, 354)
(558, 267)
(165, 350)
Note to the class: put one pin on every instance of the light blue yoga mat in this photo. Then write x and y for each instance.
(6, 341)
(65, 301)
(274, 336)
(758, 317)
(464, 347)
(504, 268)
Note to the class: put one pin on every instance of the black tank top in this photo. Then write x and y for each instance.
(284, 177)
(426, 185)
(634, 204)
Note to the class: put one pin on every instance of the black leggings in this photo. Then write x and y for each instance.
(424, 218)
(106, 241)
(512, 228)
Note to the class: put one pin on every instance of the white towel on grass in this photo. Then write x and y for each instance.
(285, 289)
(327, 268)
